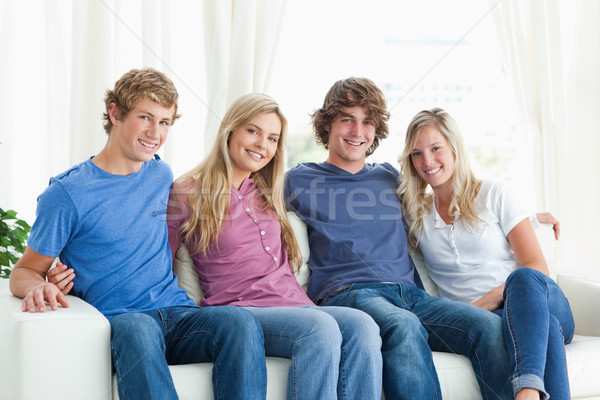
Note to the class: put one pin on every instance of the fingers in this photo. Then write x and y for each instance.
(67, 288)
(548, 218)
(557, 230)
(62, 299)
(38, 296)
(62, 277)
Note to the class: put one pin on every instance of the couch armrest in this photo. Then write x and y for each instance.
(63, 354)
(582, 295)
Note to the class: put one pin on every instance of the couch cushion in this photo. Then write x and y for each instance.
(583, 365)
(194, 381)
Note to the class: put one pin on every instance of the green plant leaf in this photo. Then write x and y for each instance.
(10, 214)
(23, 225)
(4, 260)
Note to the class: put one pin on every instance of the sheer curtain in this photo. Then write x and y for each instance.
(552, 50)
(59, 57)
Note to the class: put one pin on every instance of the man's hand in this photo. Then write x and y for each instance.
(547, 218)
(62, 277)
(38, 296)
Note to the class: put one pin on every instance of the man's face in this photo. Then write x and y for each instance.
(139, 135)
(351, 134)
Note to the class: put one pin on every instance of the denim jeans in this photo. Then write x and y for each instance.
(335, 351)
(144, 344)
(412, 323)
(537, 324)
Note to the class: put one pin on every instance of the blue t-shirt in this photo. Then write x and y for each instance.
(112, 230)
(355, 226)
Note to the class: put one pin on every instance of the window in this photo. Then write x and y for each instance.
(421, 58)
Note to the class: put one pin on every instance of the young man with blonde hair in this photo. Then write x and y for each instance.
(106, 220)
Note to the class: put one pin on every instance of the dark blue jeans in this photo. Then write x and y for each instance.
(144, 344)
(413, 323)
(537, 324)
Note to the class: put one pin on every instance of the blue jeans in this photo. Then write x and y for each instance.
(537, 324)
(335, 351)
(144, 344)
(413, 323)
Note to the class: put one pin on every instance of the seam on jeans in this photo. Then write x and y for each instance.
(513, 335)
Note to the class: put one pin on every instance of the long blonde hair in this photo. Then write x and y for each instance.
(208, 185)
(413, 191)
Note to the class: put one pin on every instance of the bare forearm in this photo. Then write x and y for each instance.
(24, 279)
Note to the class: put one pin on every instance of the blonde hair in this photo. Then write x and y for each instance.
(208, 185)
(136, 85)
(416, 199)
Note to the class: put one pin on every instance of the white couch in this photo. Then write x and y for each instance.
(66, 354)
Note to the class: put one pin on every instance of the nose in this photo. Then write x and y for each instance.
(427, 158)
(261, 142)
(154, 130)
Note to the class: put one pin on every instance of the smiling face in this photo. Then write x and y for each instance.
(433, 158)
(136, 137)
(253, 145)
(351, 134)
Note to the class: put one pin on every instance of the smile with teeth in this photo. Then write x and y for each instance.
(433, 171)
(146, 144)
(353, 143)
(254, 154)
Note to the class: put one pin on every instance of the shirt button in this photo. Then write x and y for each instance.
(267, 248)
(262, 233)
(275, 258)
(255, 220)
(247, 210)
(240, 197)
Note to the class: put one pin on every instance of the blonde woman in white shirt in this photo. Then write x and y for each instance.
(480, 247)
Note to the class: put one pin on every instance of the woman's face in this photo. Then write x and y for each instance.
(432, 157)
(252, 146)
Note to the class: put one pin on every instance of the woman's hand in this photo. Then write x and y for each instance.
(62, 277)
(547, 218)
(492, 300)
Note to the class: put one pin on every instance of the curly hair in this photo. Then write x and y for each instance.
(138, 84)
(352, 92)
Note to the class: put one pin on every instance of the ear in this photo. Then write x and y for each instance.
(113, 113)
(327, 128)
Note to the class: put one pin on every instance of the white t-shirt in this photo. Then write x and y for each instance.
(467, 262)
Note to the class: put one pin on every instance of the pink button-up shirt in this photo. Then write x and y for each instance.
(247, 265)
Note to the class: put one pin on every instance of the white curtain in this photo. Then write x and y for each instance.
(552, 50)
(242, 38)
(59, 57)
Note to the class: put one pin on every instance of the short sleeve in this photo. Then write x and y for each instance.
(56, 221)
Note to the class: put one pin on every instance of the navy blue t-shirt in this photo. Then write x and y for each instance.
(355, 226)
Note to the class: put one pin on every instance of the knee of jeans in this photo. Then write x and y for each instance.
(324, 331)
(523, 274)
(405, 325)
(135, 329)
(361, 327)
(237, 319)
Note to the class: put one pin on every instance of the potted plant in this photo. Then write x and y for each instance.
(13, 235)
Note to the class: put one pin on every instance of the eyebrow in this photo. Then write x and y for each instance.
(154, 116)
(431, 145)
(346, 115)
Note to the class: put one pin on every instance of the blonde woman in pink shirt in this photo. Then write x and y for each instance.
(230, 213)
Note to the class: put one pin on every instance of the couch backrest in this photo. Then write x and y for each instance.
(183, 265)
